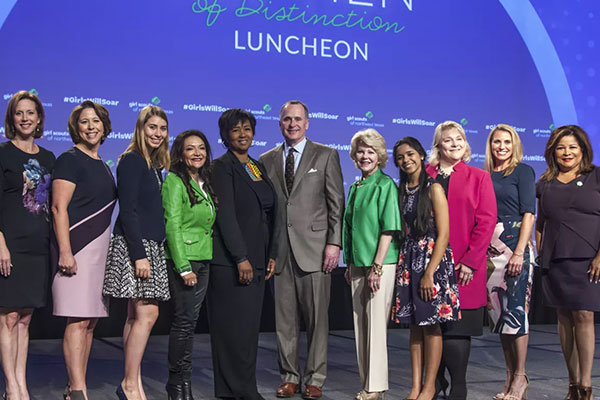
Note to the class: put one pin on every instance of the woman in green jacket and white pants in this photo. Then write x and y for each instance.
(371, 221)
(189, 205)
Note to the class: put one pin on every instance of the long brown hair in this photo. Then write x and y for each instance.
(158, 158)
(587, 159)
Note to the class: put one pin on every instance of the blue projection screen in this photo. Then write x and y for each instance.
(400, 66)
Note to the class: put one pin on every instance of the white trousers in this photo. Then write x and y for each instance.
(371, 316)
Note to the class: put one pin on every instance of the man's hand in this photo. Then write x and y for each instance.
(331, 259)
(270, 269)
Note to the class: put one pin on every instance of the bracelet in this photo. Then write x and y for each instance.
(377, 268)
(518, 254)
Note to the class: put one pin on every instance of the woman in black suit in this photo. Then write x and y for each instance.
(243, 258)
(568, 241)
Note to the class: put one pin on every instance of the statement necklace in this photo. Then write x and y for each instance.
(252, 170)
(445, 172)
(411, 191)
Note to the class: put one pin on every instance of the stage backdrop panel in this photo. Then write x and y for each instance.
(399, 66)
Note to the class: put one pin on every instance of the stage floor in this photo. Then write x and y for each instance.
(545, 366)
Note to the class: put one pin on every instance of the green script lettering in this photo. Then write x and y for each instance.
(212, 10)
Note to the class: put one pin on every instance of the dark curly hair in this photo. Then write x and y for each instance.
(179, 167)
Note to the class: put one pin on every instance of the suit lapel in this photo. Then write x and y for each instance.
(278, 165)
(306, 161)
(240, 170)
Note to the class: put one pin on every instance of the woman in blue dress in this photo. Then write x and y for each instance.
(510, 270)
(426, 287)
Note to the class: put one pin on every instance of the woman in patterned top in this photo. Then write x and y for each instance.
(136, 268)
(25, 181)
(426, 287)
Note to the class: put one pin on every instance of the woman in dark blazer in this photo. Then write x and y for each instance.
(243, 257)
(568, 241)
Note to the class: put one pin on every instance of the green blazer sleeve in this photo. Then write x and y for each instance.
(174, 198)
(389, 211)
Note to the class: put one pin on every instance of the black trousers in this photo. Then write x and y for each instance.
(186, 302)
(234, 312)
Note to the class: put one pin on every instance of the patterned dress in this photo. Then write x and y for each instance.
(509, 296)
(139, 233)
(415, 253)
(25, 184)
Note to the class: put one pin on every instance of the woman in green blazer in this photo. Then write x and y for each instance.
(371, 222)
(189, 205)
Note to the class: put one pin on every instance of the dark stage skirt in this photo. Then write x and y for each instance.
(27, 284)
(566, 284)
(470, 324)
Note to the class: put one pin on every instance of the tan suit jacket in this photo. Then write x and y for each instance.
(309, 217)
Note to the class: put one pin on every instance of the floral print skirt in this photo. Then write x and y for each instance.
(408, 306)
(508, 296)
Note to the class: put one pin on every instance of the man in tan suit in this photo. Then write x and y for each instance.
(310, 194)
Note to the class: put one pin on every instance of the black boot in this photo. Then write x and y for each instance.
(175, 392)
(187, 391)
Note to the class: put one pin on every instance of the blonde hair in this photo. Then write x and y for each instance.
(434, 155)
(517, 149)
(158, 158)
(369, 137)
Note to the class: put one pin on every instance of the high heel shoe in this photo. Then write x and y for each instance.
(502, 395)
(67, 391)
(76, 395)
(573, 393)
(585, 392)
(364, 395)
(441, 385)
(121, 393)
(510, 396)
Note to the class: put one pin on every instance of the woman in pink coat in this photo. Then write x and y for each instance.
(472, 209)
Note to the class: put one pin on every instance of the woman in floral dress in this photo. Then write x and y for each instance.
(426, 288)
